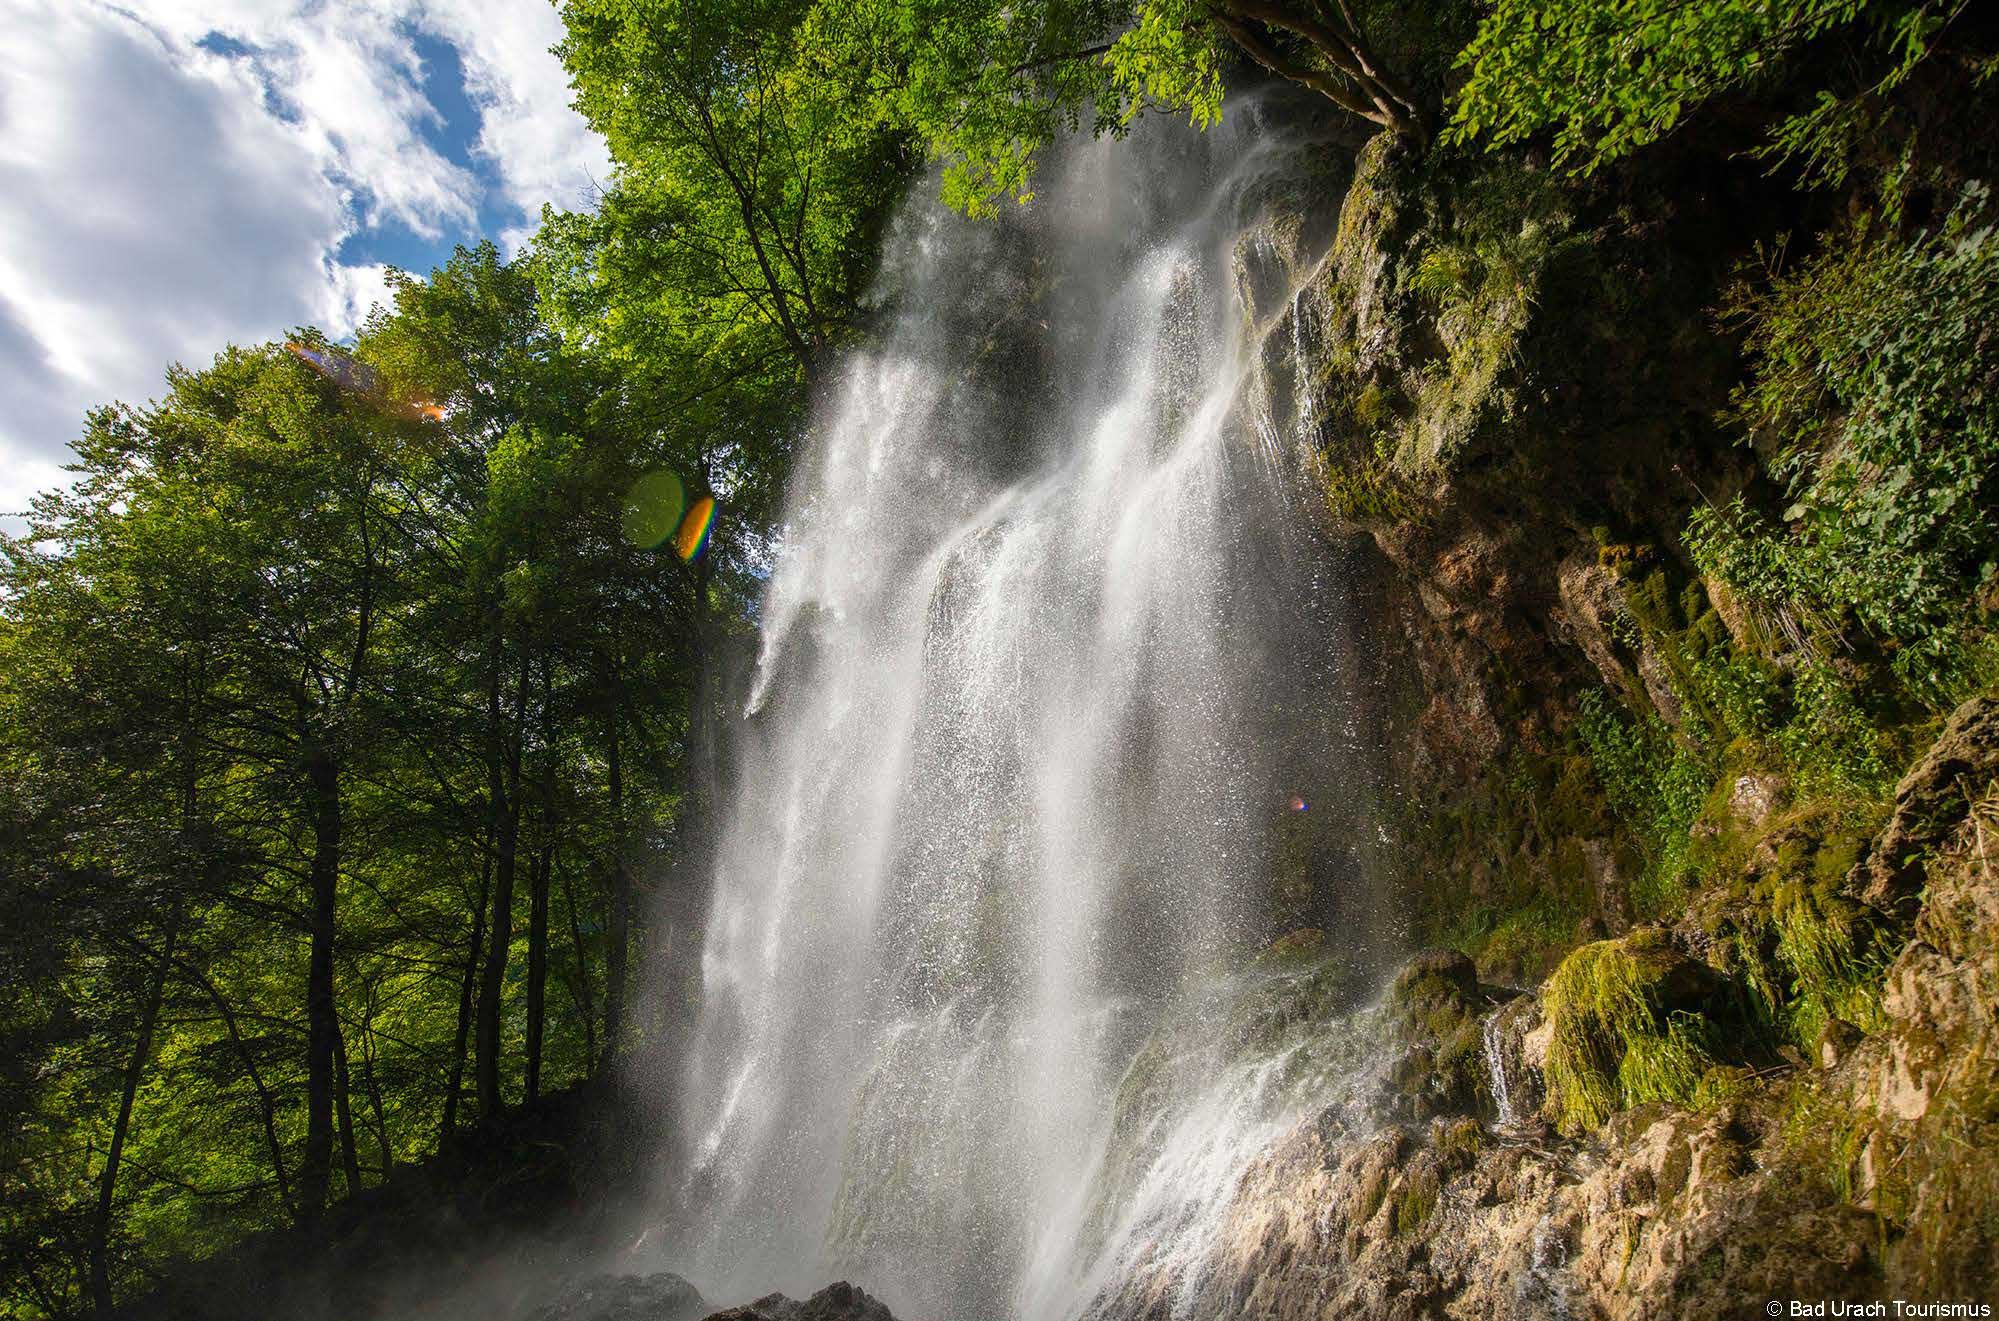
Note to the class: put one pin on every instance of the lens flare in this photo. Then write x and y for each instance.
(355, 377)
(652, 508)
(1297, 804)
(692, 538)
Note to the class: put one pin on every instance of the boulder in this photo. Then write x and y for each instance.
(661, 1297)
(1836, 1041)
(836, 1302)
(1446, 970)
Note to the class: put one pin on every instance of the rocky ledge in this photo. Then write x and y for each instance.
(667, 1297)
(1517, 1168)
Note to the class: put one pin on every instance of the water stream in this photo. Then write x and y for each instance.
(1050, 657)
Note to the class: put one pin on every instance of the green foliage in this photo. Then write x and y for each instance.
(1804, 952)
(1872, 377)
(986, 86)
(1611, 77)
(1836, 958)
(1655, 781)
(276, 642)
(734, 242)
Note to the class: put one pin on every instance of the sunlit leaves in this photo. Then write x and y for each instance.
(1607, 77)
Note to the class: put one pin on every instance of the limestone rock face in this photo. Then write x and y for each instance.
(1866, 1173)
(1929, 802)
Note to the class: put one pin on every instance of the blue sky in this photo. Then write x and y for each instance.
(452, 134)
(178, 175)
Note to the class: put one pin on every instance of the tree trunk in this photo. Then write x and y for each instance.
(466, 983)
(538, 895)
(503, 774)
(374, 1090)
(617, 949)
(537, 970)
(107, 1181)
(350, 1158)
(322, 1027)
(586, 1009)
(1360, 83)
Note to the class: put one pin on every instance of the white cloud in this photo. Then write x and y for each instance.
(176, 175)
(513, 79)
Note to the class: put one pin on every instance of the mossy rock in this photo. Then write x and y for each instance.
(1296, 949)
(1930, 801)
(1435, 974)
(1628, 1023)
(1435, 999)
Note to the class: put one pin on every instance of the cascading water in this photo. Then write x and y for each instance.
(1048, 642)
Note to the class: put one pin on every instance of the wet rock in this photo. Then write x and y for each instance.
(661, 1297)
(836, 1302)
(1752, 798)
(1437, 1002)
(1612, 887)
(1514, 1050)
(1437, 970)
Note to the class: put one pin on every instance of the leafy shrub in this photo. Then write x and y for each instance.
(1609, 78)
(1873, 370)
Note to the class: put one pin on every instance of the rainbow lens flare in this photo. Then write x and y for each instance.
(652, 508)
(356, 377)
(1297, 804)
(692, 538)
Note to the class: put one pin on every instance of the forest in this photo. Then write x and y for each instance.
(365, 749)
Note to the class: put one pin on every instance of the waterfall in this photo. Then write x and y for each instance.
(1050, 650)
(1493, 1035)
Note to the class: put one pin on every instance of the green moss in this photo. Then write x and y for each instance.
(1362, 491)
(1503, 865)
(1417, 1202)
(1673, 1065)
(1294, 951)
(1800, 952)
(1614, 1044)
(1372, 408)
(1824, 1136)
(1835, 956)
(1459, 1143)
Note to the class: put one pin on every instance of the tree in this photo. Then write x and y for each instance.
(741, 181)
(288, 676)
(1609, 78)
(988, 85)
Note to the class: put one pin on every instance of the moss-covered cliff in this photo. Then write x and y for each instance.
(1674, 491)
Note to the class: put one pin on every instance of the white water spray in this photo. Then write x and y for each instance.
(1048, 630)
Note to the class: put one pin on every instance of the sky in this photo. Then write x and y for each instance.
(180, 175)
